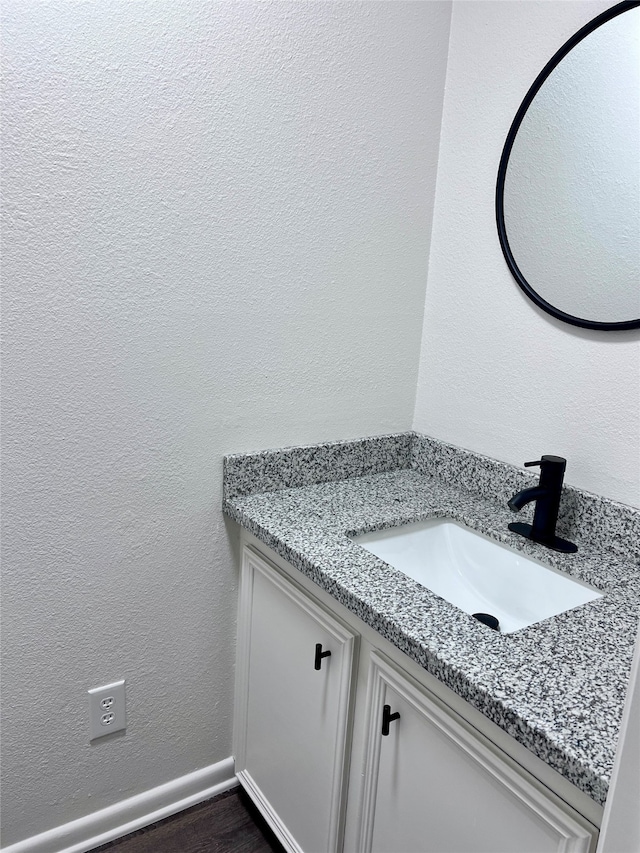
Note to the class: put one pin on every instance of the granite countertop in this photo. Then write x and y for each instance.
(557, 686)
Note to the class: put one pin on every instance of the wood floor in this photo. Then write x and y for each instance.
(227, 824)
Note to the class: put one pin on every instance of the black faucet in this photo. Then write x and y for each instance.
(547, 497)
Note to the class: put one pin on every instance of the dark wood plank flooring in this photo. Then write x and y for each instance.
(228, 823)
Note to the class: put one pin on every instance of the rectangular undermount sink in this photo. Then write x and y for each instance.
(477, 574)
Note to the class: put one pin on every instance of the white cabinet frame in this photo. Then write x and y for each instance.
(575, 835)
(565, 810)
(253, 564)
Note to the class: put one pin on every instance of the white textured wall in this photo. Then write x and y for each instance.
(497, 375)
(216, 239)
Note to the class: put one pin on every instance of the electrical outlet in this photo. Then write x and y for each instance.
(107, 709)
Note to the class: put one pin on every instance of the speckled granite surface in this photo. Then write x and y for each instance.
(557, 686)
(292, 467)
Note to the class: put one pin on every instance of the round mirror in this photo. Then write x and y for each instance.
(568, 192)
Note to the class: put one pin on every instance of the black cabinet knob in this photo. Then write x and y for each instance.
(388, 717)
(319, 655)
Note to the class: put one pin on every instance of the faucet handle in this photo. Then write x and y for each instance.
(548, 460)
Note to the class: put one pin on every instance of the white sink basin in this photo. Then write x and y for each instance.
(477, 574)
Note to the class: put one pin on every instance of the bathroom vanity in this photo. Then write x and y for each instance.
(371, 714)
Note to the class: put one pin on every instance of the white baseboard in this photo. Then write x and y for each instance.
(131, 814)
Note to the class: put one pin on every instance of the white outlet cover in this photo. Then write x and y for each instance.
(107, 709)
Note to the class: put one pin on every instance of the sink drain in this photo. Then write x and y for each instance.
(488, 620)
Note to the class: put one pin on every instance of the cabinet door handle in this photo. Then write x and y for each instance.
(388, 717)
(319, 655)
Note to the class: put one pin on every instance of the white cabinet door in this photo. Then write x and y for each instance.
(293, 698)
(433, 785)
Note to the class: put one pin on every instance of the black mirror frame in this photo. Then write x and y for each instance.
(613, 12)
